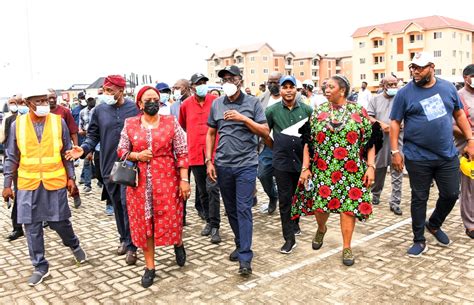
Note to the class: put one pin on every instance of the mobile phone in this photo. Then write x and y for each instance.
(309, 185)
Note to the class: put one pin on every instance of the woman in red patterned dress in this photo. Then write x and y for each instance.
(155, 207)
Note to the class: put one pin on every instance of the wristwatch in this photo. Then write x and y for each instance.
(207, 160)
(392, 152)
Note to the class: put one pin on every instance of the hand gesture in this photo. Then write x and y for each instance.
(469, 150)
(184, 190)
(72, 188)
(305, 176)
(234, 115)
(145, 155)
(397, 162)
(369, 177)
(75, 153)
(385, 127)
(211, 171)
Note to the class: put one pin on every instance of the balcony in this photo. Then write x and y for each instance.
(379, 49)
(314, 77)
(338, 68)
(288, 67)
(240, 64)
(314, 67)
(378, 66)
(415, 44)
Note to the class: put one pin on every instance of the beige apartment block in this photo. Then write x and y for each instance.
(258, 60)
(379, 50)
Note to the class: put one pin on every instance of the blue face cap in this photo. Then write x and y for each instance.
(288, 78)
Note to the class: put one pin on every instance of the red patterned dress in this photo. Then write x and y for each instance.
(154, 206)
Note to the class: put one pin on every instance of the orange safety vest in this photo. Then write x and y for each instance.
(40, 162)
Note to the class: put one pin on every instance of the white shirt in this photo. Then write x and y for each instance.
(273, 100)
(316, 100)
(165, 109)
(364, 97)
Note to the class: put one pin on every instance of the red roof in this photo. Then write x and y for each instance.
(426, 23)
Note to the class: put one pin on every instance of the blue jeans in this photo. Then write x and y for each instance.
(237, 185)
(421, 173)
(86, 174)
(265, 173)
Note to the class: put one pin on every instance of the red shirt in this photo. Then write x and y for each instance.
(193, 118)
(67, 117)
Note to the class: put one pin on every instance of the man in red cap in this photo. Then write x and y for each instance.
(105, 126)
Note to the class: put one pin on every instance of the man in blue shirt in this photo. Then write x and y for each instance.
(106, 123)
(426, 106)
(239, 119)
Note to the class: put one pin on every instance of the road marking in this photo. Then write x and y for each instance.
(266, 278)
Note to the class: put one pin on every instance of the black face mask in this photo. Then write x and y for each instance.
(274, 89)
(422, 81)
(151, 108)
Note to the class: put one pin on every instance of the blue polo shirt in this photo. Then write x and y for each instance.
(237, 145)
(427, 115)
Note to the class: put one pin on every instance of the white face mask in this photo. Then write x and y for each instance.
(472, 83)
(177, 95)
(229, 89)
(42, 111)
(13, 108)
(107, 99)
(83, 103)
(164, 97)
(22, 109)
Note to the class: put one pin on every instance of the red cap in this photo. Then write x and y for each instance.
(114, 80)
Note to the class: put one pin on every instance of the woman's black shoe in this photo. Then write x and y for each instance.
(180, 255)
(148, 277)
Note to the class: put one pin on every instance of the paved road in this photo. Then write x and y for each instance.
(382, 273)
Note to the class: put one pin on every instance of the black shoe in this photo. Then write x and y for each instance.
(15, 234)
(272, 205)
(255, 201)
(122, 249)
(148, 277)
(234, 256)
(470, 233)
(180, 255)
(288, 247)
(374, 202)
(215, 237)
(396, 210)
(207, 230)
(245, 269)
(45, 224)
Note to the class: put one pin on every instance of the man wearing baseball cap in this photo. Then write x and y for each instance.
(238, 118)
(105, 125)
(427, 106)
(287, 152)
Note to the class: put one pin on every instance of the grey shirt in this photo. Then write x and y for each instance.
(468, 100)
(237, 144)
(380, 107)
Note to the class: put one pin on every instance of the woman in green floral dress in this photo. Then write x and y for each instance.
(338, 178)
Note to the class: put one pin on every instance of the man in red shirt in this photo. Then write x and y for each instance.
(194, 113)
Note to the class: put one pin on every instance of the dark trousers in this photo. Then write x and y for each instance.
(286, 185)
(116, 194)
(421, 173)
(237, 185)
(35, 239)
(209, 195)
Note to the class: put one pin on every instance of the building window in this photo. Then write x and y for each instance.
(276, 61)
(240, 60)
(454, 35)
(252, 58)
(216, 62)
(253, 84)
(288, 61)
(301, 63)
(378, 76)
(329, 64)
(252, 71)
(265, 71)
(378, 43)
(362, 60)
(361, 44)
(453, 72)
(412, 54)
(315, 62)
(437, 53)
(437, 35)
(301, 73)
(437, 71)
(265, 58)
(454, 53)
(419, 36)
(315, 73)
(379, 59)
(362, 76)
(416, 37)
(467, 38)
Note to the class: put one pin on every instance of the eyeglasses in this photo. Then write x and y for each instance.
(232, 80)
(418, 68)
(392, 85)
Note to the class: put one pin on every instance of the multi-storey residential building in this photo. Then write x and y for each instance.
(379, 50)
(258, 60)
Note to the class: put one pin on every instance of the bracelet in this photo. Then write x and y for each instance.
(303, 169)
(371, 165)
(207, 160)
(185, 180)
(392, 152)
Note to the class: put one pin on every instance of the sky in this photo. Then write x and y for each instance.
(58, 43)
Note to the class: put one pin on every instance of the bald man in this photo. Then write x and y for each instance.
(379, 109)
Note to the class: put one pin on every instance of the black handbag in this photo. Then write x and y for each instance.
(124, 172)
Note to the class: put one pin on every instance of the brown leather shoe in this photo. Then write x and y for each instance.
(131, 258)
(121, 250)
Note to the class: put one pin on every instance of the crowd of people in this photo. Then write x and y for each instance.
(313, 154)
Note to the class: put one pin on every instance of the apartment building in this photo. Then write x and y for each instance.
(258, 60)
(382, 49)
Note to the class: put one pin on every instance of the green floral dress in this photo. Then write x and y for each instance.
(338, 136)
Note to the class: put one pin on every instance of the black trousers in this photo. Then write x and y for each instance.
(286, 186)
(16, 226)
(421, 173)
(209, 195)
